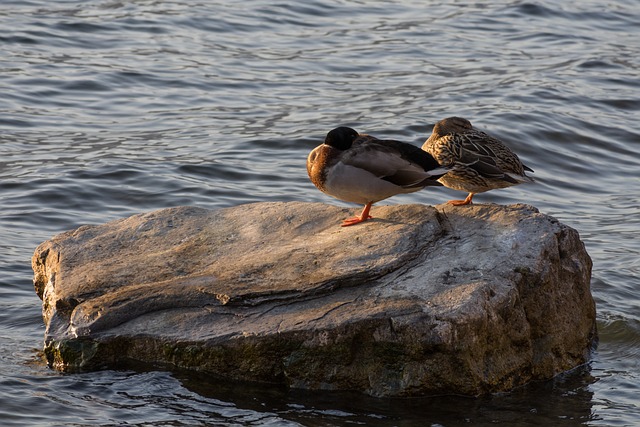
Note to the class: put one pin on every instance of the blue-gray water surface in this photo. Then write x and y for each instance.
(110, 108)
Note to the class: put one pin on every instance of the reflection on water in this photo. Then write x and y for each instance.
(144, 397)
(112, 108)
(564, 401)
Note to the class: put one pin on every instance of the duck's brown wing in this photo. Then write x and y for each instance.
(488, 156)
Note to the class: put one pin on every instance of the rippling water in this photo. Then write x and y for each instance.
(110, 108)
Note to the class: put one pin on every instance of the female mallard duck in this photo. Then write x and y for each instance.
(363, 169)
(478, 161)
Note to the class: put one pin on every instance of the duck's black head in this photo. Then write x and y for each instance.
(341, 138)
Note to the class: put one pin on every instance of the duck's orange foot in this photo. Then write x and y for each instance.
(459, 202)
(358, 219)
(467, 201)
(355, 220)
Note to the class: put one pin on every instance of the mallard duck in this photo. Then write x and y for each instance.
(363, 169)
(478, 162)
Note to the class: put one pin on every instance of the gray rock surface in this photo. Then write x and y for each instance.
(421, 300)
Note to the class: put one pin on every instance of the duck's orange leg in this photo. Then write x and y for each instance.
(467, 201)
(358, 219)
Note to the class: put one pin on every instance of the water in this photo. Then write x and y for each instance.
(112, 108)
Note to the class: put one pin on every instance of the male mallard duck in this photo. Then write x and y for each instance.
(478, 162)
(363, 169)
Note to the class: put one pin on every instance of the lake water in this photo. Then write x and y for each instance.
(109, 108)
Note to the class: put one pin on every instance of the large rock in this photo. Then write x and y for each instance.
(420, 300)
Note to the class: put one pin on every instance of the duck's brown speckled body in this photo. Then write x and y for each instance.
(478, 162)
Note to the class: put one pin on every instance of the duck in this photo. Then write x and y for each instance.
(363, 169)
(478, 161)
